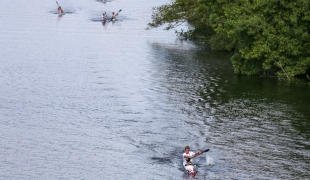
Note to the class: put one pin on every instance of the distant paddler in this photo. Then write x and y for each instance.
(60, 11)
(113, 18)
(104, 17)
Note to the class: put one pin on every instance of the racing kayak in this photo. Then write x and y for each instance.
(191, 169)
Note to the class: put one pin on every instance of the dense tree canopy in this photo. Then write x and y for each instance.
(266, 37)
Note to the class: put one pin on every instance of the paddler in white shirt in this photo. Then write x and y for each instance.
(189, 155)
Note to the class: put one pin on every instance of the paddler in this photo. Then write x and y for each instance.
(104, 17)
(187, 159)
(60, 11)
(113, 16)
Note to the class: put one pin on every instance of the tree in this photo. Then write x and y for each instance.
(266, 36)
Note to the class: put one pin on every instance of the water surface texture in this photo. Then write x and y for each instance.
(82, 99)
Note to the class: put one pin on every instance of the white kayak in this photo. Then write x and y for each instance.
(191, 169)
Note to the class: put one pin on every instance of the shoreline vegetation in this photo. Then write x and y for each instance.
(265, 37)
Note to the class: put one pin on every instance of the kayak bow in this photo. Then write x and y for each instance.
(190, 169)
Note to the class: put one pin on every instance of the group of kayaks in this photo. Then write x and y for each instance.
(113, 17)
(189, 168)
(104, 15)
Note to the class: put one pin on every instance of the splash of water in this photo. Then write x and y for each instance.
(209, 160)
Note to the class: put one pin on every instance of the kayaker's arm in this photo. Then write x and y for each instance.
(189, 156)
(198, 153)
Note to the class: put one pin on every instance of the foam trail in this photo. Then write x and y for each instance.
(209, 160)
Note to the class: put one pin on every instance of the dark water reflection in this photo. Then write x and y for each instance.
(262, 122)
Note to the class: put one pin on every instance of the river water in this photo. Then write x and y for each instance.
(84, 100)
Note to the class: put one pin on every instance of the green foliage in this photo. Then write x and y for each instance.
(266, 36)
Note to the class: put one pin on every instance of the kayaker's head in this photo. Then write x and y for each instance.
(187, 148)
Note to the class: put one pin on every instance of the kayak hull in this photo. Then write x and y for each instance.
(191, 169)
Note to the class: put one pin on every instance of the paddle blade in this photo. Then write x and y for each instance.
(57, 3)
(206, 150)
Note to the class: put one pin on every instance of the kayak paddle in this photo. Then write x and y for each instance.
(118, 11)
(205, 151)
(188, 159)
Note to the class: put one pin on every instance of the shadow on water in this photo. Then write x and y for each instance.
(160, 160)
(65, 12)
(60, 16)
(172, 158)
(98, 17)
(104, 1)
(106, 21)
(258, 122)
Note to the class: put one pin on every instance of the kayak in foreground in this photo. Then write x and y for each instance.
(191, 169)
(188, 156)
